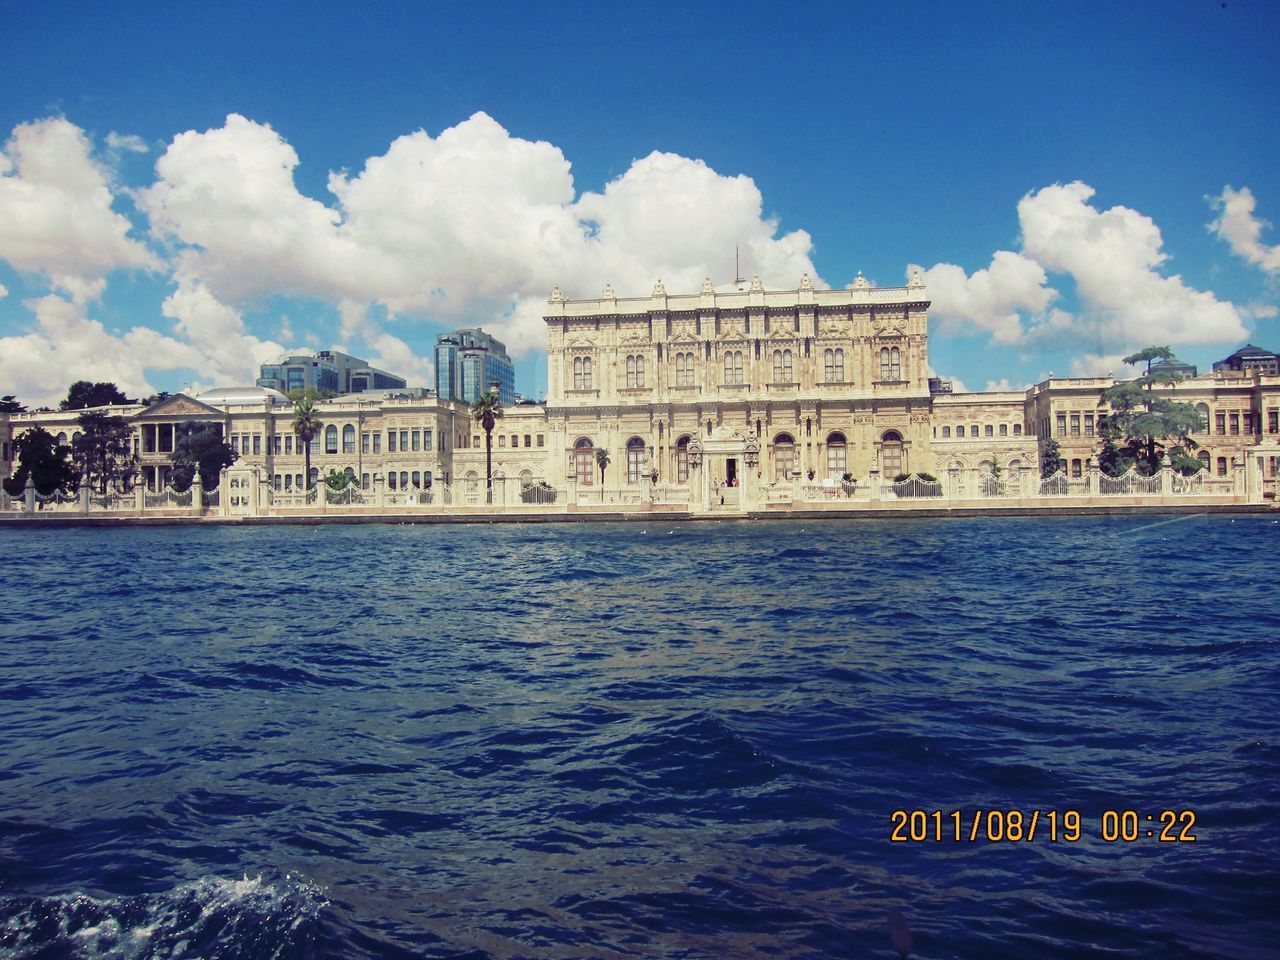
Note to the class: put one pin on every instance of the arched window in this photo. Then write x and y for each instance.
(350, 474)
(682, 460)
(584, 461)
(417, 479)
(391, 480)
(782, 368)
(331, 439)
(635, 459)
(404, 479)
(946, 433)
(890, 363)
(684, 369)
(1222, 466)
(364, 481)
(833, 365)
(635, 371)
(526, 478)
(582, 373)
(348, 439)
(733, 366)
(784, 456)
(62, 438)
(891, 454)
(837, 461)
(960, 431)
(288, 482)
(1203, 457)
(315, 477)
(986, 430)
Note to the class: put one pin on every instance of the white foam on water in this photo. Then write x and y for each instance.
(217, 916)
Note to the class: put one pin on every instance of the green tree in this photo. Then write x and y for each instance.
(84, 394)
(42, 458)
(306, 424)
(156, 398)
(1141, 420)
(337, 481)
(104, 450)
(1111, 459)
(315, 395)
(486, 410)
(602, 461)
(200, 447)
(10, 404)
(1051, 461)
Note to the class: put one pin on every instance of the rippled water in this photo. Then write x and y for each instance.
(672, 740)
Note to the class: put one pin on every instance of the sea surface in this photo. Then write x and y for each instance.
(640, 740)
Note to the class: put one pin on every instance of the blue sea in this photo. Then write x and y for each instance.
(642, 740)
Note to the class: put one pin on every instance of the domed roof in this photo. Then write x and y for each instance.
(241, 396)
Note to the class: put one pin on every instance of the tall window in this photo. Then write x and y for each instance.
(837, 462)
(891, 454)
(348, 439)
(782, 369)
(784, 455)
(582, 373)
(635, 371)
(890, 363)
(635, 459)
(331, 439)
(733, 366)
(833, 365)
(682, 460)
(684, 369)
(584, 461)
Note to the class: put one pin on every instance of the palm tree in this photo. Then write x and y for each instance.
(306, 425)
(602, 461)
(485, 411)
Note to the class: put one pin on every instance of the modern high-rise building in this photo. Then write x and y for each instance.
(468, 361)
(326, 370)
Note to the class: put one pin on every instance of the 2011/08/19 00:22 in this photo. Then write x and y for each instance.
(1017, 826)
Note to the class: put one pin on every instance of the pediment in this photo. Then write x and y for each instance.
(579, 343)
(180, 405)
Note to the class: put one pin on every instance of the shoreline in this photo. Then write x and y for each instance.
(67, 520)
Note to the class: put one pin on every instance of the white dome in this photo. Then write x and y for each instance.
(241, 396)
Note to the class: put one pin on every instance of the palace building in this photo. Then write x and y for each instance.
(745, 392)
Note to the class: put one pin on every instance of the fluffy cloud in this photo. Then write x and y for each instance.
(216, 334)
(1242, 230)
(126, 143)
(473, 224)
(1113, 257)
(67, 346)
(55, 211)
(4, 291)
(992, 299)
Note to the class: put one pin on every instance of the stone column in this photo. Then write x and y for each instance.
(1237, 476)
(85, 490)
(140, 498)
(1093, 478)
(197, 495)
(953, 483)
(1028, 484)
(873, 482)
(1166, 477)
(29, 495)
(379, 495)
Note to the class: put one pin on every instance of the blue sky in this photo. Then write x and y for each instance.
(189, 187)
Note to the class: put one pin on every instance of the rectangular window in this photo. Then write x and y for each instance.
(404, 440)
(1273, 421)
(1017, 429)
(1235, 424)
(364, 443)
(1075, 424)
(417, 440)
(1004, 429)
(527, 438)
(986, 430)
(276, 441)
(502, 440)
(391, 441)
(540, 441)
(1088, 424)
(426, 439)
(288, 445)
(377, 442)
(1062, 424)
(1220, 423)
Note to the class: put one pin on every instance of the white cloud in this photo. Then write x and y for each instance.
(4, 291)
(55, 211)
(216, 334)
(993, 299)
(126, 142)
(1113, 256)
(1262, 311)
(473, 224)
(1003, 386)
(68, 346)
(1242, 230)
(1101, 365)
